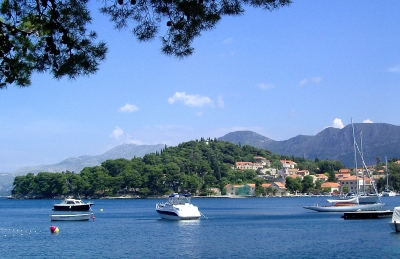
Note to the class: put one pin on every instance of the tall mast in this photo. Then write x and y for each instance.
(362, 155)
(355, 155)
(387, 175)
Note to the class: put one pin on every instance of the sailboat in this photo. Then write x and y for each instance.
(353, 204)
(387, 191)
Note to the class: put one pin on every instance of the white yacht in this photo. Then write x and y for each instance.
(178, 207)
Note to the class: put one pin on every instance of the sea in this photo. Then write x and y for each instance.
(229, 228)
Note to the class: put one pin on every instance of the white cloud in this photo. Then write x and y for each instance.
(395, 69)
(303, 82)
(313, 80)
(189, 99)
(221, 103)
(266, 86)
(367, 121)
(316, 79)
(227, 41)
(117, 133)
(128, 108)
(337, 123)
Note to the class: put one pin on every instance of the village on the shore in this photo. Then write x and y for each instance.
(346, 180)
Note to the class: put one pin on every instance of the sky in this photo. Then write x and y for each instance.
(293, 71)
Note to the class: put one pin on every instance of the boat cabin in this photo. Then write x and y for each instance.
(72, 202)
(176, 199)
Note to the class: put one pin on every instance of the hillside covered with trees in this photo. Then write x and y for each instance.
(194, 166)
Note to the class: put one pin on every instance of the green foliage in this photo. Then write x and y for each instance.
(294, 185)
(51, 35)
(189, 167)
(193, 166)
(46, 35)
(308, 184)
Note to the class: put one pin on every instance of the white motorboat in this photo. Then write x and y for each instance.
(178, 207)
(72, 205)
(395, 222)
(71, 217)
(388, 193)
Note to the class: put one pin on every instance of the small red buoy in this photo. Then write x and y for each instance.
(54, 229)
(93, 217)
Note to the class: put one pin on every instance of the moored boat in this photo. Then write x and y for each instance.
(387, 192)
(178, 207)
(360, 202)
(72, 205)
(346, 207)
(71, 217)
(395, 222)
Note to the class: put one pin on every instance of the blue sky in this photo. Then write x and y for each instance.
(296, 70)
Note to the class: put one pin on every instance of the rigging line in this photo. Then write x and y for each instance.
(203, 215)
(368, 172)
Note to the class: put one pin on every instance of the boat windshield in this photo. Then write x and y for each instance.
(179, 198)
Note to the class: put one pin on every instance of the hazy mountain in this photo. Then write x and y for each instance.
(76, 164)
(378, 140)
(6, 181)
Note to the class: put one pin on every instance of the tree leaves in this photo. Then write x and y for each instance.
(51, 35)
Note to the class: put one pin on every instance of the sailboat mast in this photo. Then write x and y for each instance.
(355, 157)
(362, 155)
(387, 175)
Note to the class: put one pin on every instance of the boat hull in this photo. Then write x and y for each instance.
(376, 214)
(178, 212)
(71, 217)
(348, 208)
(395, 226)
(174, 216)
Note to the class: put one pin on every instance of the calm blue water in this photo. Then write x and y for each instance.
(235, 228)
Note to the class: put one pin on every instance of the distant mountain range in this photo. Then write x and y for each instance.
(378, 140)
(76, 164)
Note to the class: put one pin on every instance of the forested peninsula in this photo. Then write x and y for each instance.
(196, 166)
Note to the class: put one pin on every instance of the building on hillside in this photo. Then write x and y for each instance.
(288, 163)
(303, 172)
(260, 163)
(344, 171)
(269, 171)
(294, 176)
(243, 165)
(334, 187)
(379, 174)
(322, 177)
(262, 160)
(280, 187)
(240, 190)
(398, 162)
(364, 183)
(214, 191)
(275, 189)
